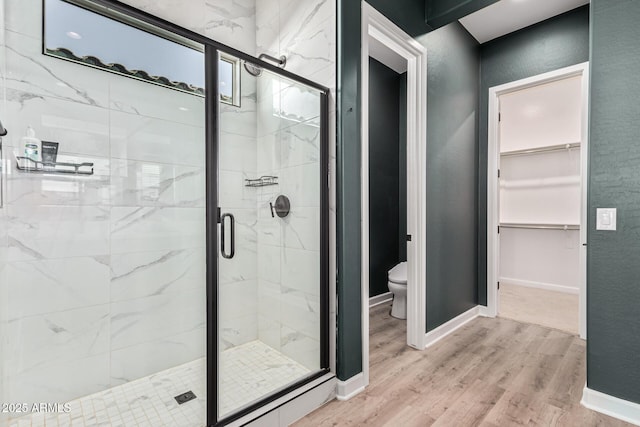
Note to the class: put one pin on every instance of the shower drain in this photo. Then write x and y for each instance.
(185, 397)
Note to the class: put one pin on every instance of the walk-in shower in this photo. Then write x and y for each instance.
(168, 265)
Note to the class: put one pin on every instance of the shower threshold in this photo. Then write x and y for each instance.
(248, 372)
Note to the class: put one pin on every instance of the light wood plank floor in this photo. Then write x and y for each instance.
(547, 308)
(491, 372)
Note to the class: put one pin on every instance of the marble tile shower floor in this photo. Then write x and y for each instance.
(252, 370)
(248, 372)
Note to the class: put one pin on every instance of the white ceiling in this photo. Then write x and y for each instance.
(507, 16)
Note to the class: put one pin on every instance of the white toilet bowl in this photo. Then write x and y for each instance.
(398, 286)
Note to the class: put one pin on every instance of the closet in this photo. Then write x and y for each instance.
(540, 202)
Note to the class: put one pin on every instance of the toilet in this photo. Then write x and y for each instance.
(398, 286)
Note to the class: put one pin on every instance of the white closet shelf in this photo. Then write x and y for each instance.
(540, 226)
(562, 181)
(538, 150)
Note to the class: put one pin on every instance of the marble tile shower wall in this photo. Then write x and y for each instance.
(288, 146)
(104, 274)
(304, 31)
(238, 285)
(231, 22)
(289, 248)
(3, 226)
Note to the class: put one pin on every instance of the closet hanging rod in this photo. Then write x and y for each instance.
(540, 226)
(549, 148)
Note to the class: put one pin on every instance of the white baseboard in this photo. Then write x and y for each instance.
(345, 390)
(445, 329)
(379, 299)
(612, 406)
(540, 285)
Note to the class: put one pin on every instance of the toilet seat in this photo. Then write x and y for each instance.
(397, 283)
(398, 274)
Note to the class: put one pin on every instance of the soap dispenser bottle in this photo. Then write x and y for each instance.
(32, 145)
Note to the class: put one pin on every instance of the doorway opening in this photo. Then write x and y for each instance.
(387, 187)
(387, 206)
(537, 199)
(393, 48)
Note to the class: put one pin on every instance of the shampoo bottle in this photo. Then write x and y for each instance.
(32, 145)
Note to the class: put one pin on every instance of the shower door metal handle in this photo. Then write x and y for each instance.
(3, 132)
(223, 234)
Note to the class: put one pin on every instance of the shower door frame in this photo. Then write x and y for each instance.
(213, 219)
(160, 27)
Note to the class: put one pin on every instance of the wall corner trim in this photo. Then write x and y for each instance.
(483, 311)
(345, 390)
(452, 325)
(609, 405)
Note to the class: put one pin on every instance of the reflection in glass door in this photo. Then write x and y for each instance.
(271, 247)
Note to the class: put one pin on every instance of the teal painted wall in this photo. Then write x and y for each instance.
(552, 44)
(402, 232)
(349, 324)
(384, 175)
(613, 289)
(461, 268)
(453, 63)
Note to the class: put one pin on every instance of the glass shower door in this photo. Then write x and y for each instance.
(270, 240)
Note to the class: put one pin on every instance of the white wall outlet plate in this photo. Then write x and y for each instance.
(606, 219)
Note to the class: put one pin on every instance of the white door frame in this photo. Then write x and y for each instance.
(383, 40)
(493, 165)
